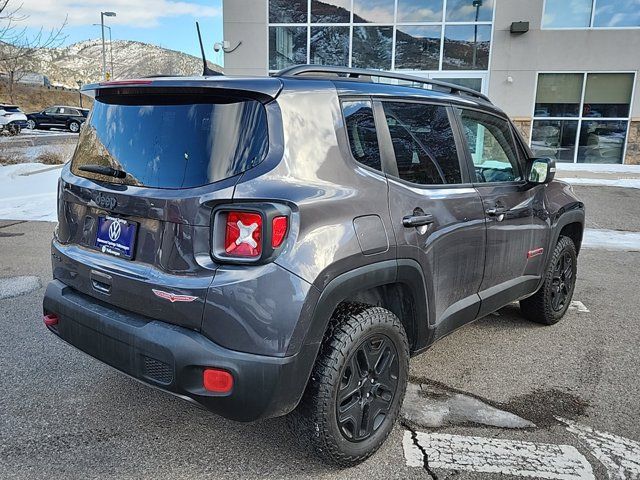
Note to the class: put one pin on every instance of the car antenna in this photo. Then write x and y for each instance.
(206, 71)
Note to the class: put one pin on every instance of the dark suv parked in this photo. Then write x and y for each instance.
(70, 118)
(265, 246)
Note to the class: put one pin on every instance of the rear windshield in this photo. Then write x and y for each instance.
(192, 142)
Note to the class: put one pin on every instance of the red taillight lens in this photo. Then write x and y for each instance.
(219, 381)
(278, 230)
(243, 235)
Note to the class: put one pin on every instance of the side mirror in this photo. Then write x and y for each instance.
(542, 170)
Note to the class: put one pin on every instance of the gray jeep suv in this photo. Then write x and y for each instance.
(266, 246)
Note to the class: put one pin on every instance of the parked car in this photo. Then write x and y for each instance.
(283, 245)
(70, 118)
(12, 119)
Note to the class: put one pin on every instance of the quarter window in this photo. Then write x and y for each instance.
(361, 130)
(490, 142)
(423, 143)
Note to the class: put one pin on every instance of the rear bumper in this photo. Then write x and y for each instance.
(173, 358)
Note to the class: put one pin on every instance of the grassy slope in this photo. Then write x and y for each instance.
(34, 99)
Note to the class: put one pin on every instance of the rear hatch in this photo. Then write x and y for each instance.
(135, 204)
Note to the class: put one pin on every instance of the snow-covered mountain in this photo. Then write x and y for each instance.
(83, 61)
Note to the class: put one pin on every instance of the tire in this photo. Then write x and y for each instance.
(31, 124)
(549, 304)
(74, 127)
(346, 421)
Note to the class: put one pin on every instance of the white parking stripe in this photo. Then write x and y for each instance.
(620, 456)
(490, 455)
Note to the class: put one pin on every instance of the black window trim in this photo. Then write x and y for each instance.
(389, 165)
(467, 151)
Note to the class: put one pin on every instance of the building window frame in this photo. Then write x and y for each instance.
(580, 117)
(484, 74)
(591, 25)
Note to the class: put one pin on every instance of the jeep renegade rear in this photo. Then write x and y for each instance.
(266, 246)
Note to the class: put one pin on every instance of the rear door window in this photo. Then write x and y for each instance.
(361, 130)
(423, 143)
(188, 143)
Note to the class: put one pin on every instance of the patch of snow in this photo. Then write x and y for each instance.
(14, 286)
(28, 197)
(606, 182)
(597, 168)
(432, 407)
(614, 240)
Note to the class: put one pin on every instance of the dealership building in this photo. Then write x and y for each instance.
(564, 70)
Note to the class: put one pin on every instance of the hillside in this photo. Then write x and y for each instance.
(83, 61)
(35, 99)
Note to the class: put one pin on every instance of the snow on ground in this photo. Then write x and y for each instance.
(605, 182)
(597, 168)
(611, 240)
(29, 197)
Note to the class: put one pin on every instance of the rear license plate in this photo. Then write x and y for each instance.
(116, 236)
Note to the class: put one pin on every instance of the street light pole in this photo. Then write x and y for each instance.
(79, 82)
(477, 4)
(104, 56)
(110, 44)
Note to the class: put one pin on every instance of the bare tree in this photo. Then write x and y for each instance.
(18, 49)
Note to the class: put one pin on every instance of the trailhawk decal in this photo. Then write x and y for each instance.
(173, 297)
(535, 253)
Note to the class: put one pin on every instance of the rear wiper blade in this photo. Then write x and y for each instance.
(103, 170)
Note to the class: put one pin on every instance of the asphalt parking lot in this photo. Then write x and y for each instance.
(64, 415)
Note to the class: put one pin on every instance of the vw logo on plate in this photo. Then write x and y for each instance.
(114, 231)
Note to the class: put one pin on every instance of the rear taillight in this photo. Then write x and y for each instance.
(243, 234)
(249, 232)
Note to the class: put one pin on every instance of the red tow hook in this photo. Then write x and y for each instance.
(50, 320)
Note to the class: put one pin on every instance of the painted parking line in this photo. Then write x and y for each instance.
(491, 455)
(619, 455)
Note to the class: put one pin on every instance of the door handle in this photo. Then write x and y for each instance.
(417, 220)
(496, 211)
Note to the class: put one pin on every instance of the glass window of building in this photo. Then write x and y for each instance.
(331, 11)
(288, 11)
(330, 46)
(582, 117)
(418, 47)
(287, 46)
(473, 83)
(469, 10)
(372, 47)
(420, 10)
(591, 13)
(373, 11)
(422, 36)
(466, 47)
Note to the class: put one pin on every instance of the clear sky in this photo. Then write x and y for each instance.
(168, 23)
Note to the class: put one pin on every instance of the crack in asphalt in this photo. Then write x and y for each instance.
(425, 455)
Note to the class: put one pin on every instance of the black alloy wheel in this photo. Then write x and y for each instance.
(562, 282)
(367, 387)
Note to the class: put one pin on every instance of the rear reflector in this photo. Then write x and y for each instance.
(50, 320)
(278, 230)
(219, 381)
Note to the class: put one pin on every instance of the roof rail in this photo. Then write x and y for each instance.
(357, 73)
